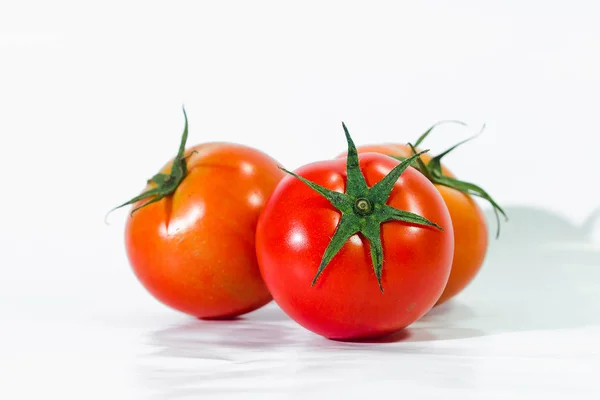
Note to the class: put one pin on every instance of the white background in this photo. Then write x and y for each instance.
(90, 107)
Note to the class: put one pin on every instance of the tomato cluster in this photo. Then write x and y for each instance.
(358, 246)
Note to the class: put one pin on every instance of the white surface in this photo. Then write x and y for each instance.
(527, 328)
(90, 102)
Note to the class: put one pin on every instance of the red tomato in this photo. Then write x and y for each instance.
(193, 249)
(346, 302)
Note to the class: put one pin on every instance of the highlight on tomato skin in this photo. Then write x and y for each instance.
(357, 248)
(468, 220)
(190, 235)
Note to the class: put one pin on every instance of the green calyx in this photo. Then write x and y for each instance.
(433, 172)
(364, 209)
(166, 184)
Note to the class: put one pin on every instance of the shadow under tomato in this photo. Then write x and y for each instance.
(231, 318)
(393, 337)
(269, 353)
(542, 273)
(267, 313)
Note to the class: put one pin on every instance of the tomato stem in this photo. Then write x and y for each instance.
(165, 184)
(364, 209)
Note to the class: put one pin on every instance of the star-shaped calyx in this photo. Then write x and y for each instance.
(364, 209)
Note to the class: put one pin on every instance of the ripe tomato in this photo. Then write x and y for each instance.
(193, 248)
(468, 221)
(376, 273)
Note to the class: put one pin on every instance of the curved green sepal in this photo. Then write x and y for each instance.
(390, 213)
(421, 166)
(435, 164)
(428, 131)
(474, 190)
(347, 227)
(337, 199)
(355, 182)
(372, 232)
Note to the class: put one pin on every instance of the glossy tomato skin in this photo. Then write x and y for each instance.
(468, 221)
(470, 240)
(194, 251)
(346, 302)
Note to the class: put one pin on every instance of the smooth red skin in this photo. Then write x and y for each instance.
(468, 221)
(195, 251)
(346, 303)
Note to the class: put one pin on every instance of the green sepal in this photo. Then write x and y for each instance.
(421, 166)
(435, 164)
(348, 226)
(474, 190)
(355, 182)
(393, 214)
(372, 232)
(432, 127)
(337, 199)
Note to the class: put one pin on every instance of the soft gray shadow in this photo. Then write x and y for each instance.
(206, 340)
(199, 357)
(542, 273)
(264, 352)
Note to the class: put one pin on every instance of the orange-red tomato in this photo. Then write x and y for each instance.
(194, 249)
(298, 224)
(468, 221)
